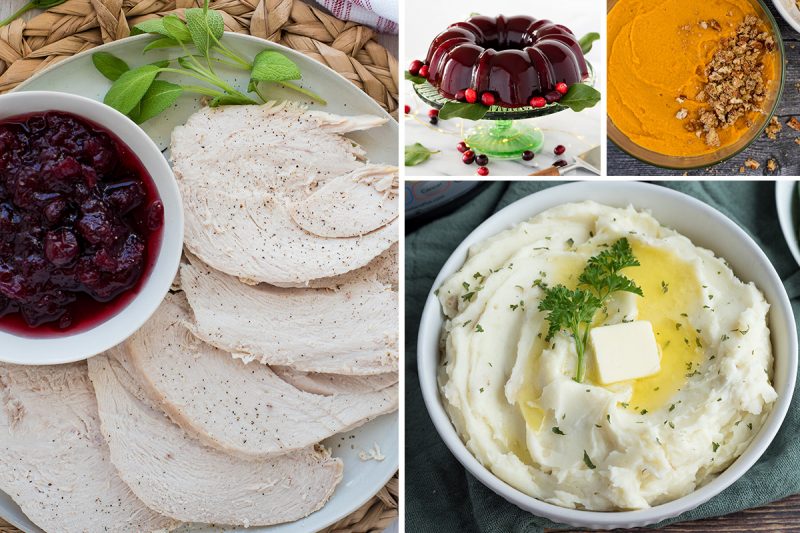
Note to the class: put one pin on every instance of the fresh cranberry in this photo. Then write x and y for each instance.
(424, 71)
(488, 99)
(562, 88)
(413, 69)
(433, 113)
(471, 95)
(482, 159)
(552, 96)
(408, 109)
(538, 101)
(461, 95)
(462, 147)
(560, 149)
(468, 157)
(483, 171)
(527, 155)
(560, 163)
(61, 247)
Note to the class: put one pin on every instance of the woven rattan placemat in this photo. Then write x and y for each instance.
(346, 47)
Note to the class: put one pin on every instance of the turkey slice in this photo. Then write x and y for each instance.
(237, 408)
(240, 167)
(54, 461)
(182, 478)
(350, 205)
(351, 330)
(330, 384)
(383, 269)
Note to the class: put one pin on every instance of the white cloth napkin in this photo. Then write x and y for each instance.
(382, 15)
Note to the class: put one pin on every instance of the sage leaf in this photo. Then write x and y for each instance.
(580, 96)
(587, 40)
(150, 26)
(462, 110)
(162, 42)
(205, 28)
(269, 65)
(416, 79)
(130, 87)
(177, 29)
(417, 154)
(109, 65)
(158, 98)
(229, 99)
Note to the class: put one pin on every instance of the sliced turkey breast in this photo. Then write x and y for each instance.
(330, 384)
(240, 409)
(182, 478)
(383, 268)
(350, 330)
(350, 205)
(240, 167)
(54, 461)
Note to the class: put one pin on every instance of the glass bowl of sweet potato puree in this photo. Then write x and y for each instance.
(666, 58)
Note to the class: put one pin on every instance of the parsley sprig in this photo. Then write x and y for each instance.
(574, 309)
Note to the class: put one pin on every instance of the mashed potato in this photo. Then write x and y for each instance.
(629, 445)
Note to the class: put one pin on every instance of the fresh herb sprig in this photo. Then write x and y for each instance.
(574, 309)
(138, 93)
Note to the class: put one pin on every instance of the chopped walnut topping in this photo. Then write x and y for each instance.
(773, 128)
(794, 124)
(682, 113)
(682, 98)
(752, 164)
(736, 84)
(741, 170)
(772, 165)
(704, 24)
(797, 140)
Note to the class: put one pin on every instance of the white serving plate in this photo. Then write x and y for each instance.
(77, 75)
(706, 227)
(787, 202)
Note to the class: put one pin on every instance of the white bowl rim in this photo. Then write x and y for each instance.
(786, 193)
(72, 347)
(430, 325)
(783, 10)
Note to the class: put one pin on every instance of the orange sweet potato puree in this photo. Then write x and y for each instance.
(657, 51)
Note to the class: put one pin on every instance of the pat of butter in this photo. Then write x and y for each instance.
(625, 351)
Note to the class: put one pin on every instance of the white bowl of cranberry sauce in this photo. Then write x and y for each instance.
(91, 227)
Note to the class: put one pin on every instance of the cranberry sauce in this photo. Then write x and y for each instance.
(80, 224)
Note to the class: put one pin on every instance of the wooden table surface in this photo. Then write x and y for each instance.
(783, 150)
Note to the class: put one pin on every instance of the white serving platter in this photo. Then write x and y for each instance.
(77, 75)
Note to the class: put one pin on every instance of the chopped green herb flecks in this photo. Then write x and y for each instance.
(479, 328)
(587, 461)
(558, 431)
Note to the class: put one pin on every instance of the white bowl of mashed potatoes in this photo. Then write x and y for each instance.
(544, 428)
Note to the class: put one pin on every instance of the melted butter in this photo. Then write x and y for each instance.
(678, 342)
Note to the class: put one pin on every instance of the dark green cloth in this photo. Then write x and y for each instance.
(442, 497)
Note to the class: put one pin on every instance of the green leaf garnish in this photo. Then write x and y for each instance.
(580, 96)
(109, 65)
(130, 87)
(417, 153)
(587, 461)
(161, 95)
(269, 65)
(462, 110)
(176, 29)
(587, 40)
(139, 93)
(416, 79)
(574, 310)
(205, 26)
